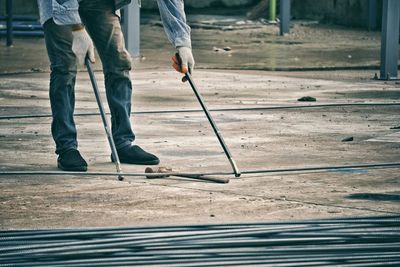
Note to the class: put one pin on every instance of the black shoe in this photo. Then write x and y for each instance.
(136, 155)
(71, 160)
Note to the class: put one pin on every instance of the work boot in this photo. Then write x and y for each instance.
(136, 155)
(71, 160)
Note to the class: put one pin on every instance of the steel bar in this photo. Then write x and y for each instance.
(291, 246)
(9, 11)
(258, 171)
(212, 123)
(220, 180)
(168, 111)
(284, 17)
(225, 259)
(364, 241)
(355, 166)
(390, 39)
(293, 228)
(107, 128)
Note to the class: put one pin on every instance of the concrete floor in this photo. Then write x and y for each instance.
(262, 139)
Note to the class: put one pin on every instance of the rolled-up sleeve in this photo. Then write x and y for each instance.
(174, 20)
(66, 12)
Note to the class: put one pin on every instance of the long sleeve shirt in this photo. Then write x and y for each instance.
(65, 12)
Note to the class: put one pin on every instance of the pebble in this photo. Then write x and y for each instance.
(307, 99)
(348, 139)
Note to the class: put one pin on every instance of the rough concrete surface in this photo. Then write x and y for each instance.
(258, 139)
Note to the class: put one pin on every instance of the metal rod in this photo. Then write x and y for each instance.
(259, 171)
(9, 10)
(333, 223)
(213, 124)
(107, 128)
(168, 111)
(220, 180)
(272, 227)
(394, 164)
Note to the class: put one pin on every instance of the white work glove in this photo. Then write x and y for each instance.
(82, 45)
(187, 60)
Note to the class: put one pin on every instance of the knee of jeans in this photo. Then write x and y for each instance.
(64, 67)
(122, 62)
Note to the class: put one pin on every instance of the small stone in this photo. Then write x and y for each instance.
(348, 139)
(307, 99)
(227, 48)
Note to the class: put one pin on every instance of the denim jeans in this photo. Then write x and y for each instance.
(105, 30)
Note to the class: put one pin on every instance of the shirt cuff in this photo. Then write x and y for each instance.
(182, 41)
(66, 15)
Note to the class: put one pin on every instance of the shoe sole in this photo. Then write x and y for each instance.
(72, 169)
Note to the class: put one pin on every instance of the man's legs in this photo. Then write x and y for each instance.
(105, 30)
(62, 93)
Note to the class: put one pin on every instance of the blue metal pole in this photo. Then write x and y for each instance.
(284, 16)
(390, 39)
(9, 23)
(131, 27)
(371, 15)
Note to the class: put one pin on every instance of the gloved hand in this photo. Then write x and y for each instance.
(82, 45)
(187, 60)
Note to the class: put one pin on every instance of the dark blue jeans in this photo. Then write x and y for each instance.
(105, 30)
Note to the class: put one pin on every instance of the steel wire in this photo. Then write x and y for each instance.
(368, 241)
(244, 172)
(171, 111)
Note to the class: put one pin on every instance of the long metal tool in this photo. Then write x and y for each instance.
(228, 154)
(104, 119)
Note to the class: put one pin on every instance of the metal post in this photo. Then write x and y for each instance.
(9, 22)
(285, 16)
(272, 11)
(390, 39)
(131, 27)
(371, 15)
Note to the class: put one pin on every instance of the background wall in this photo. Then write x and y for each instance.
(21, 7)
(342, 12)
